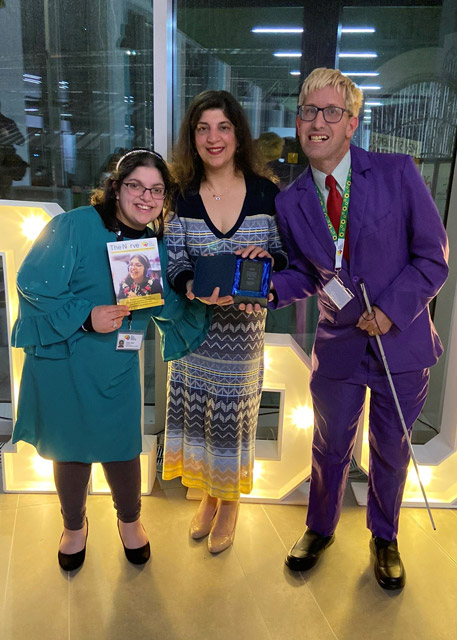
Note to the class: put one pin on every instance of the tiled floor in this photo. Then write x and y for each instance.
(245, 593)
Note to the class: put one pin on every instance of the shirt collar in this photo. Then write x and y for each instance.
(340, 173)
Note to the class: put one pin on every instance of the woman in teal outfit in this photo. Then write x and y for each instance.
(80, 399)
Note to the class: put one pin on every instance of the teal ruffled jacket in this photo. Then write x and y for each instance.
(80, 398)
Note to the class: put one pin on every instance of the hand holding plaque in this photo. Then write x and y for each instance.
(247, 280)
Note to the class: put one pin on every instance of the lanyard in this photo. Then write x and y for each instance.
(338, 238)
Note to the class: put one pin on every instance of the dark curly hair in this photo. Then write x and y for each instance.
(104, 199)
(187, 166)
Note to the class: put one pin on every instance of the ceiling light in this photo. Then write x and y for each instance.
(28, 77)
(360, 74)
(370, 87)
(294, 73)
(277, 30)
(367, 54)
(287, 54)
(358, 30)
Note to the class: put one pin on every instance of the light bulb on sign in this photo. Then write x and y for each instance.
(258, 470)
(42, 467)
(32, 225)
(303, 417)
(425, 475)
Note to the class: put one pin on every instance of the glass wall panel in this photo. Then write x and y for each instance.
(222, 46)
(408, 83)
(403, 57)
(410, 90)
(239, 47)
(76, 87)
(244, 50)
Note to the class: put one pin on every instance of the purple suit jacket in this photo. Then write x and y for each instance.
(398, 248)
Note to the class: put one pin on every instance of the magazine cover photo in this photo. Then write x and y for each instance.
(136, 273)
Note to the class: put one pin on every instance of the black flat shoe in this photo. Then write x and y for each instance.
(307, 550)
(72, 561)
(140, 555)
(388, 567)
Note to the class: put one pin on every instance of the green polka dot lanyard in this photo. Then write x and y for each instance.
(338, 238)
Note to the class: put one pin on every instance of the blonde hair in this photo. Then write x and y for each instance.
(270, 145)
(323, 77)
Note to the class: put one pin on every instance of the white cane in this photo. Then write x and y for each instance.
(397, 404)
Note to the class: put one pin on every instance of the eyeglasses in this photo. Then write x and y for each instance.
(136, 189)
(308, 113)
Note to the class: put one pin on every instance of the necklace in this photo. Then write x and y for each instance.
(215, 196)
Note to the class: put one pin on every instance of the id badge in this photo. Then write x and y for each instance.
(129, 340)
(338, 293)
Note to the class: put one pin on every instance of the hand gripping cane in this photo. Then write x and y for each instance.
(397, 404)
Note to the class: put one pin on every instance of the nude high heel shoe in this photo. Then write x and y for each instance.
(220, 542)
(200, 528)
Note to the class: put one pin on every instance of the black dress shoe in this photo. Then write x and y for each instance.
(307, 550)
(140, 555)
(72, 561)
(388, 567)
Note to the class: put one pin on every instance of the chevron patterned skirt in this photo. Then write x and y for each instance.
(213, 404)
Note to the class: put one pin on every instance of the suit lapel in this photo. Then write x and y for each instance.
(311, 209)
(361, 168)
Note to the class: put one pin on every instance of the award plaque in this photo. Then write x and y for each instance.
(246, 279)
(252, 280)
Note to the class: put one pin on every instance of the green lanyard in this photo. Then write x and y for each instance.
(338, 238)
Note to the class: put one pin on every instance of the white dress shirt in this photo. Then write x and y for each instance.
(340, 173)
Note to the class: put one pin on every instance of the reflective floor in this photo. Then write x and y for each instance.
(184, 593)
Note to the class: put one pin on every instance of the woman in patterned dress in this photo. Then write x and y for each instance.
(225, 205)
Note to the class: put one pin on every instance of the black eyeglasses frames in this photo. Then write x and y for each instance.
(331, 114)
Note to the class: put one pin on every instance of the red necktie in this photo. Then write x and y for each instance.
(334, 204)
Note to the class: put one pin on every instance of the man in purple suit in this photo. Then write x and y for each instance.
(389, 236)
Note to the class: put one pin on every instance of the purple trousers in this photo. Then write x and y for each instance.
(337, 408)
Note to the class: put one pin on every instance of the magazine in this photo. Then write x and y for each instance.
(136, 272)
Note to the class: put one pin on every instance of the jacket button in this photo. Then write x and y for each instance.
(355, 279)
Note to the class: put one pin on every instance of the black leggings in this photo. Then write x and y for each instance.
(72, 480)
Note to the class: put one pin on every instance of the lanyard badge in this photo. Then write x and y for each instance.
(337, 292)
(335, 289)
(129, 340)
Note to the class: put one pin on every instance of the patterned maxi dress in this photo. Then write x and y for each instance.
(214, 393)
